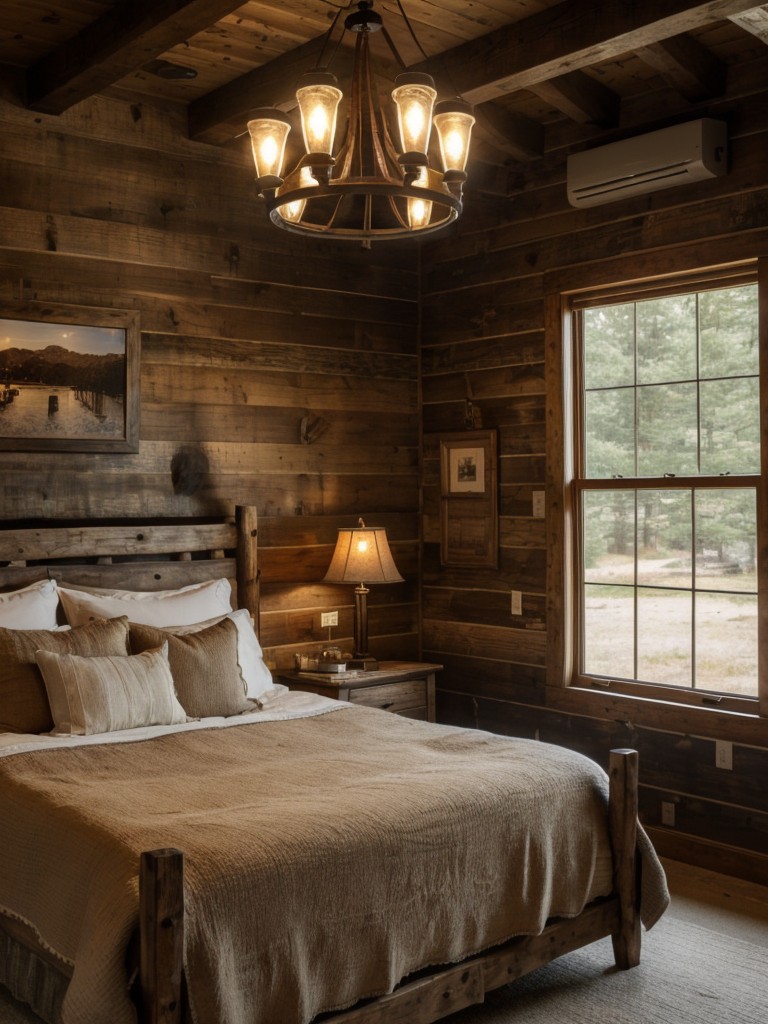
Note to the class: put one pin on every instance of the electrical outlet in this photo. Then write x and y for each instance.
(537, 501)
(724, 754)
(517, 603)
(329, 619)
(668, 813)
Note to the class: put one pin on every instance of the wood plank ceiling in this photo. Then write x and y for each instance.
(529, 66)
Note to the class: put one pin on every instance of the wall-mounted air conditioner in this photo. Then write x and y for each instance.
(671, 156)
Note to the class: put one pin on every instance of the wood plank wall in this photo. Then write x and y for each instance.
(483, 310)
(275, 371)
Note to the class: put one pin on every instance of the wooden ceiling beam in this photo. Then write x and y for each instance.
(567, 37)
(754, 21)
(547, 51)
(123, 39)
(583, 99)
(510, 134)
(221, 115)
(694, 71)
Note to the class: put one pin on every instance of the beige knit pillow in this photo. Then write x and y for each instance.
(204, 665)
(23, 700)
(94, 695)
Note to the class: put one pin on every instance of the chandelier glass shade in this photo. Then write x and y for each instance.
(371, 188)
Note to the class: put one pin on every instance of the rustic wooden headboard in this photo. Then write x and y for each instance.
(155, 555)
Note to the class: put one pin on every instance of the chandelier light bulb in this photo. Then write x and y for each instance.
(453, 122)
(419, 210)
(268, 131)
(292, 211)
(318, 98)
(414, 95)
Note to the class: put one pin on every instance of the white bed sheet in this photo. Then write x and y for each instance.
(278, 705)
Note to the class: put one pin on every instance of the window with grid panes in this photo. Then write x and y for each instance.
(667, 473)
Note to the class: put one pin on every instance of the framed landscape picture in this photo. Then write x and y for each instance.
(469, 520)
(69, 378)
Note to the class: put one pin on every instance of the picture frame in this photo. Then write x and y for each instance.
(69, 378)
(469, 520)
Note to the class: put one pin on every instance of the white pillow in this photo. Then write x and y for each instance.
(149, 608)
(106, 694)
(250, 658)
(32, 607)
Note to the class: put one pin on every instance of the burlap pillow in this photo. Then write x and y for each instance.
(204, 665)
(23, 701)
(95, 695)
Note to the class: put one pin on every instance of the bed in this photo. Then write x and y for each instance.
(318, 861)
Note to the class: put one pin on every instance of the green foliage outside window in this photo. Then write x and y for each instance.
(670, 389)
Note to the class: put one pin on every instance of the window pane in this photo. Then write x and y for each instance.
(671, 389)
(609, 350)
(609, 537)
(609, 631)
(666, 339)
(726, 540)
(730, 426)
(728, 332)
(726, 643)
(609, 437)
(667, 430)
(664, 538)
(664, 649)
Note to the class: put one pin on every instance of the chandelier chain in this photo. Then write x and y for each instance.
(410, 28)
(329, 34)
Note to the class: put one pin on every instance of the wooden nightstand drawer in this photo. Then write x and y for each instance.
(405, 687)
(395, 697)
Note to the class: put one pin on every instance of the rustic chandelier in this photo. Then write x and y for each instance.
(371, 189)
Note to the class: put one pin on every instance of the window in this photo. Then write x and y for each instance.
(666, 488)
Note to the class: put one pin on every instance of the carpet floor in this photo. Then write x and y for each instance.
(687, 975)
(705, 962)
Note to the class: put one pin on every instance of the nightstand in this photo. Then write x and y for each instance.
(404, 687)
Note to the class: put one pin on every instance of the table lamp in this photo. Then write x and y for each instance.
(362, 556)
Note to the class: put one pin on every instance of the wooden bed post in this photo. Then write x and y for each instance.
(623, 776)
(247, 561)
(161, 927)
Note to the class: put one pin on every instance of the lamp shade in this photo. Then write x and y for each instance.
(453, 121)
(414, 95)
(362, 555)
(420, 210)
(268, 131)
(318, 98)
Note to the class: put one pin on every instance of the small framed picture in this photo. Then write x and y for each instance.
(69, 378)
(469, 523)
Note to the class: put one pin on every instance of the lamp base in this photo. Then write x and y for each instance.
(366, 663)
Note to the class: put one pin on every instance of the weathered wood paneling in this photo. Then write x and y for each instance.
(283, 371)
(483, 310)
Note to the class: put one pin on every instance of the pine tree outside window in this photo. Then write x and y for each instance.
(666, 480)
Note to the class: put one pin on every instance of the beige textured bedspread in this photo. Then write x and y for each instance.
(326, 858)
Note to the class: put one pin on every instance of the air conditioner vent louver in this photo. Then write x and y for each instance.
(671, 156)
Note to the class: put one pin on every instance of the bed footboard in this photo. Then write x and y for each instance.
(428, 999)
(623, 776)
(161, 930)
